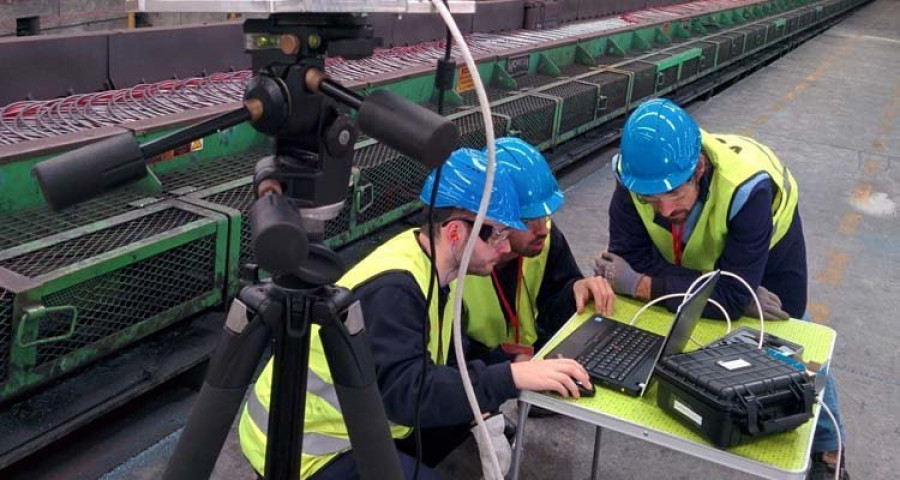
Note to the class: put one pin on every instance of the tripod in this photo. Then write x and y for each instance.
(298, 188)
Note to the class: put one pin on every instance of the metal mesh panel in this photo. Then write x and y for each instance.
(528, 82)
(532, 117)
(241, 199)
(31, 224)
(341, 223)
(613, 86)
(374, 155)
(724, 53)
(211, 173)
(579, 104)
(113, 302)
(644, 79)
(47, 259)
(470, 98)
(574, 69)
(6, 304)
(707, 58)
(471, 129)
(394, 184)
(665, 77)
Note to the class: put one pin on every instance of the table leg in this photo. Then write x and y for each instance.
(520, 438)
(595, 465)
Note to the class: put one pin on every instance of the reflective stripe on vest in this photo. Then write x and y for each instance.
(325, 434)
(313, 443)
(735, 160)
(486, 322)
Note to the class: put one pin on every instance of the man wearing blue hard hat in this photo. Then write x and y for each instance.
(392, 286)
(688, 202)
(536, 286)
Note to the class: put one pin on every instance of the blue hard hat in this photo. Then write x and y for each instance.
(461, 185)
(539, 194)
(660, 148)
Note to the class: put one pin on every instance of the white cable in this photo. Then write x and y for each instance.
(677, 295)
(479, 219)
(752, 294)
(840, 448)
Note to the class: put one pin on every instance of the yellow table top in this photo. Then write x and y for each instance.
(788, 451)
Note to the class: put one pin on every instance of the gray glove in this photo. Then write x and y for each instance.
(770, 303)
(495, 426)
(617, 272)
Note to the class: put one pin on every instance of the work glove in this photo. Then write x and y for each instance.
(623, 279)
(770, 303)
(495, 426)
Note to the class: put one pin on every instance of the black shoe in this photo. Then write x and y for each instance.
(538, 412)
(823, 466)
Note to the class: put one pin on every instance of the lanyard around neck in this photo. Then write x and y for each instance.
(510, 312)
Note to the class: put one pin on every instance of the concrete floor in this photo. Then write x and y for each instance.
(831, 111)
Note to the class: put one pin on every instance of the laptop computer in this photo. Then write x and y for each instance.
(622, 357)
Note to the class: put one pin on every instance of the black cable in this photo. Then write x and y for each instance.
(417, 431)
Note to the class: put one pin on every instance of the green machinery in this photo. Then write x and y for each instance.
(80, 284)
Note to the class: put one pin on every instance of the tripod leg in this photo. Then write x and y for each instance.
(230, 372)
(349, 357)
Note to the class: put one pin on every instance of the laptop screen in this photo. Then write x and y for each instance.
(687, 317)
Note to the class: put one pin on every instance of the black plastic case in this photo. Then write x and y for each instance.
(732, 393)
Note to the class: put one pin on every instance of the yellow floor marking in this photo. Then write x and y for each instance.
(819, 313)
(833, 272)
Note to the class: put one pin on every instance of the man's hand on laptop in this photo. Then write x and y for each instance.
(598, 289)
(556, 375)
(771, 306)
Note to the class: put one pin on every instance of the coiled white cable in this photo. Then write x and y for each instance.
(479, 219)
(685, 295)
(759, 309)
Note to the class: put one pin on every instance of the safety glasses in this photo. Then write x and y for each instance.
(490, 235)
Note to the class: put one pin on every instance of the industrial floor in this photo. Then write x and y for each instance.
(831, 110)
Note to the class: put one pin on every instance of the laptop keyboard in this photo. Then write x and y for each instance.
(617, 352)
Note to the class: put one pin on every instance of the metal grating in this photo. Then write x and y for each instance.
(613, 86)
(707, 58)
(6, 304)
(644, 79)
(203, 174)
(470, 98)
(239, 198)
(31, 224)
(471, 129)
(574, 69)
(66, 253)
(532, 117)
(579, 104)
(394, 184)
(109, 304)
(340, 223)
(529, 82)
(373, 155)
(27, 225)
